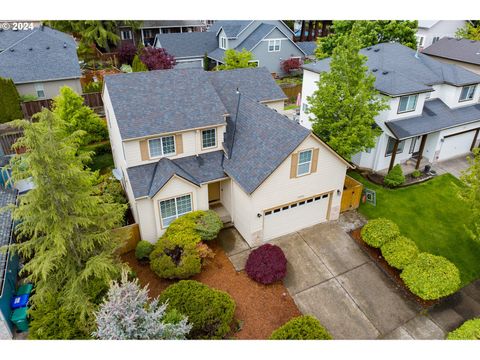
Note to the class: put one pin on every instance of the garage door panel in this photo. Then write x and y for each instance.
(456, 145)
(293, 217)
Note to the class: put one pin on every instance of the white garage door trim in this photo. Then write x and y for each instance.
(290, 217)
(456, 144)
(190, 61)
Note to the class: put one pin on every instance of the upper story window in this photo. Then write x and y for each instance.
(209, 138)
(467, 93)
(163, 146)
(274, 45)
(40, 90)
(304, 162)
(407, 103)
(223, 42)
(126, 34)
(435, 39)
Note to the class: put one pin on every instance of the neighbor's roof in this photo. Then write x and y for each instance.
(41, 55)
(456, 49)
(148, 179)
(436, 116)
(162, 101)
(171, 23)
(256, 36)
(399, 70)
(217, 54)
(308, 47)
(7, 197)
(232, 28)
(194, 44)
(426, 24)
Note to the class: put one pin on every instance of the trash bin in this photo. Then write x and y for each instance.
(24, 289)
(19, 301)
(19, 318)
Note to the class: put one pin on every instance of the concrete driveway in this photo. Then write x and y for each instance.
(453, 166)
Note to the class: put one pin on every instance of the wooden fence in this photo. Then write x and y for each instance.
(352, 193)
(129, 235)
(291, 90)
(8, 136)
(29, 108)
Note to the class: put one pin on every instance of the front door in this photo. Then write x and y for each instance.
(214, 192)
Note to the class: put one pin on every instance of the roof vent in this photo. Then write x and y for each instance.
(385, 72)
(12, 50)
(459, 39)
(369, 48)
(374, 70)
(64, 45)
(30, 49)
(376, 50)
(473, 41)
(48, 47)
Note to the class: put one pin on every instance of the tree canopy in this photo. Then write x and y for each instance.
(470, 192)
(236, 60)
(157, 58)
(345, 104)
(369, 32)
(471, 32)
(9, 101)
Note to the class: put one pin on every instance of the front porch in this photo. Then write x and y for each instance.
(216, 194)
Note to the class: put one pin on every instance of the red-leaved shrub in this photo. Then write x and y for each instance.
(157, 58)
(126, 53)
(291, 64)
(266, 264)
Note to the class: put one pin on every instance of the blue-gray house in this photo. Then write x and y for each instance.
(270, 42)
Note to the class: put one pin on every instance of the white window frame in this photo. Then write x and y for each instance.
(414, 96)
(420, 40)
(40, 87)
(123, 32)
(177, 214)
(309, 162)
(470, 93)
(272, 43)
(213, 146)
(223, 43)
(254, 61)
(161, 147)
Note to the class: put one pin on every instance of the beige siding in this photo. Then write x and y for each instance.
(242, 211)
(276, 105)
(146, 220)
(51, 88)
(472, 67)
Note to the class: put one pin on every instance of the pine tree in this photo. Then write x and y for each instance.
(63, 223)
(138, 65)
(346, 102)
(9, 101)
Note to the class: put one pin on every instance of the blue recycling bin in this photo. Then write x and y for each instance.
(19, 301)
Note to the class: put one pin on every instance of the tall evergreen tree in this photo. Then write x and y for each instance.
(9, 101)
(64, 224)
(138, 65)
(346, 102)
(470, 192)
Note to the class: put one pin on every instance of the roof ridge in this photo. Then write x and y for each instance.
(181, 168)
(153, 176)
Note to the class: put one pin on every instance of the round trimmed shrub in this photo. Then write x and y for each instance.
(143, 250)
(210, 311)
(266, 264)
(469, 330)
(304, 327)
(379, 231)
(400, 252)
(208, 225)
(431, 277)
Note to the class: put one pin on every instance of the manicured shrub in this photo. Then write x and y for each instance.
(143, 250)
(301, 328)
(469, 330)
(208, 310)
(416, 174)
(395, 177)
(266, 264)
(208, 225)
(431, 277)
(379, 231)
(9, 101)
(400, 252)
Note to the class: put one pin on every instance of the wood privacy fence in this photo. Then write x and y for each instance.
(8, 137)
(291, 90)
(29, 108)
(352, 193)
(129, 235)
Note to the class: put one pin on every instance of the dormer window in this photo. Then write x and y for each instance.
(223, 43)
(209, 138)
(407, 103)
(163, 146)
(467, 93)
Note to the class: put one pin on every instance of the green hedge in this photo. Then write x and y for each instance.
(143, 250)
(431, 277)
(400, 252)
(469, 330)
(210, 311)
(301, 328)
(379, 231)
(394, 177)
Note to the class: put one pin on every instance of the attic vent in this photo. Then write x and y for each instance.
(374, 70)
(376, 50)
(385, 72)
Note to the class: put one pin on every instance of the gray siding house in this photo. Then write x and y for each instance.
(270, 42)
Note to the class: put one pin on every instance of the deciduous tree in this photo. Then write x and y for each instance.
(236, 60)
(346, 102)
(157, 58)
(471, 32)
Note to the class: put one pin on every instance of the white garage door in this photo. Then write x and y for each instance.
(188, 64)
(456, 145)
(295, 216)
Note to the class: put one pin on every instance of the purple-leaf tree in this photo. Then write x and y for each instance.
(157, 58)
(126, 53)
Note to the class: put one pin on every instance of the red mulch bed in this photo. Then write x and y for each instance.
(394, 274)
(260, 308)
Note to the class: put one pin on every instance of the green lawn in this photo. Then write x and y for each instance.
(290, 107)
(433, 216)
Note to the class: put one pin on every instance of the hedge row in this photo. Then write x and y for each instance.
(301, 328)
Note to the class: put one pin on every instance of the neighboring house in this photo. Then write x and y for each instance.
(270, 42)
(39, 61)
(434, 112)
(150, 28)
(430, 31)
(187, 139)
(462, 52)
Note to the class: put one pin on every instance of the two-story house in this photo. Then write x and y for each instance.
(430, 31)
(433, 106)
(187, 139)
(270, 42)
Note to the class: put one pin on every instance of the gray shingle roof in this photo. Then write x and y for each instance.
(456, 49)
(308, 47)
(426, 24)
(435, 116)
(7, 197)
(147, 180)
(231, 27)
(39, 56)
(257, 83)
(10, 37)
(217, 54)
(192, 44)
(171, 23)
(255, 37)
(162, 101)
(400, 71)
